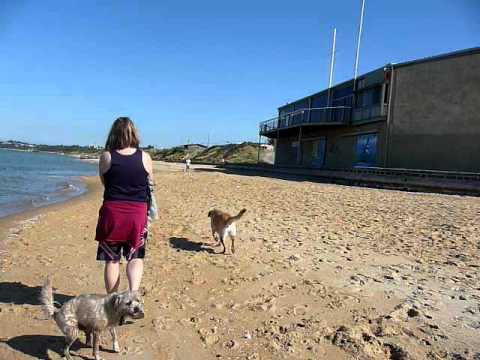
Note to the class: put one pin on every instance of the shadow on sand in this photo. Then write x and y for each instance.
(39, 346)
(21, 294)
(181, 243)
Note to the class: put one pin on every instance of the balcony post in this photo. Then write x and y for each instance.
(299, 148)
(259, 143)
(275, 161)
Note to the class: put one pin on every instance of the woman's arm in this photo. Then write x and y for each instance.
(104, 165)
(153, 209)
(148, 164)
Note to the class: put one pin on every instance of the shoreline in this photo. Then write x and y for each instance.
(87, 181)
(10, 223)
(77, 182)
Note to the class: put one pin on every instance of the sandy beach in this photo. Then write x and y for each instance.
(320, 272)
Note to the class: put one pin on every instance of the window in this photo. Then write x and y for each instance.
(319, 101)
(360, 83)
(369, 97)
(300, 116)
(366, 149)
(343, 111)
(342, 92)
(283, 117)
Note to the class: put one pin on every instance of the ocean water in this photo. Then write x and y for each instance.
(33, 179)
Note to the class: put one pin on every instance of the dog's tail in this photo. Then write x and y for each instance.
(236, 217)
(46, 298)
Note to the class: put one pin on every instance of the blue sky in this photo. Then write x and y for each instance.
(193, 69)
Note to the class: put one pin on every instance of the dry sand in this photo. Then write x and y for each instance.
(321, 272)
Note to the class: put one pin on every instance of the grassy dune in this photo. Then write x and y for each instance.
(244, 153)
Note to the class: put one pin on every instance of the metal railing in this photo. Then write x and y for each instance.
(311, 116)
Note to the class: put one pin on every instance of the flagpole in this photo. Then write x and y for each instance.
(332, 65)
(359, 39)
(332, 61)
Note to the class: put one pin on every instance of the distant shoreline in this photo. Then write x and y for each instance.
(68, 150)
(80, 156)
(68, 186)
(14, 149)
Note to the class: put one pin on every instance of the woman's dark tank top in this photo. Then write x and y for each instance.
(127, 179)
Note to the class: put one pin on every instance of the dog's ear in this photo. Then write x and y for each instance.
(210, 213)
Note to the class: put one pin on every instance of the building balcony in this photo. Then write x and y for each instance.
(337, 115)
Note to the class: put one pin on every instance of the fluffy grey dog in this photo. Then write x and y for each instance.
(91, 314)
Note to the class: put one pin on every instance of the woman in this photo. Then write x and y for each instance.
(122, 224)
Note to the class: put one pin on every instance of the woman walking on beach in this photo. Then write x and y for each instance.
(122, 224)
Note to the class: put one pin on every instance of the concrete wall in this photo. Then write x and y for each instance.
(435, 115)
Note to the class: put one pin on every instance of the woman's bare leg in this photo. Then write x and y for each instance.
(112, 276)
(134, 273)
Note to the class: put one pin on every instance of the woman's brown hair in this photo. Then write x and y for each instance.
(122, 134)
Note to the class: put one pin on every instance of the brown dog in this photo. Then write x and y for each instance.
(223, 224)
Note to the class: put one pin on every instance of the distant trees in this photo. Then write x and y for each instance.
(67, 149)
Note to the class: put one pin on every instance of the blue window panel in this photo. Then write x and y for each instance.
(366, 150)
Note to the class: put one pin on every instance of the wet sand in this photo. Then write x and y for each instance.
(320, 272)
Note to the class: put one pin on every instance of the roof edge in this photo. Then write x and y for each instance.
(463, 52)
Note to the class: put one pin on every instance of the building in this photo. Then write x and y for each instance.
(421, 114)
